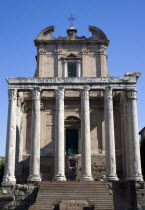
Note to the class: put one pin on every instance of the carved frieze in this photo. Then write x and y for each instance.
(116, 83)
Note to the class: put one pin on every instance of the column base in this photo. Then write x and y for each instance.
(8, 181)
(112, 178)
(34, 178)
(86, 178)
(136, 178)
(59, 178)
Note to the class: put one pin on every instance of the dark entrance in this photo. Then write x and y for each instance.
(71, 141)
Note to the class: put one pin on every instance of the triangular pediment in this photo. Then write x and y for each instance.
(71, 55)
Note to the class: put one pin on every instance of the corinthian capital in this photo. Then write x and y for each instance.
(132, 94)
(108, 93)
(20, 99)
(12, 94)
(85, 93)
(36, 94)
(59, 93)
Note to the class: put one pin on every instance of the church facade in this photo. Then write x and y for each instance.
(72, 121)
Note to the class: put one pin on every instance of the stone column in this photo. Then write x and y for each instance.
(9, 173)
(78, 68)
(59, 137)
(65, 72)
(19, 137)
(34, 171)
(109, 135)
(126, 149)
(86, 174)
(135, 161)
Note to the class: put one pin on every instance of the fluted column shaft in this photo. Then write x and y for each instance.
(34, 171)
(135, 162)
(109, 135)
(59, 137)
(9, 173)
(86, 174)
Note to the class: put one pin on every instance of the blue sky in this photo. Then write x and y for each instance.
(123, 21)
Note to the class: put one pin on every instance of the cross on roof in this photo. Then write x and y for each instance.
(71, 19)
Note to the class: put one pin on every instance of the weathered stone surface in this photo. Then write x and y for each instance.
(74, 205)
(17, 197)
(72, 83)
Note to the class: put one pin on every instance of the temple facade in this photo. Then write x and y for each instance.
(72, 121)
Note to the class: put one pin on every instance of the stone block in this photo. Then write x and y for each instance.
(74, 205)
(16, 192)
(5, 192)
(21, 193)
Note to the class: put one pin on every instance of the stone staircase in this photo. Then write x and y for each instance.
(95, 193)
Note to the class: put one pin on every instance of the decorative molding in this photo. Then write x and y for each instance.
(58, 51)
(117, 83)
(85, 51)
(100, 52)
(42, 51)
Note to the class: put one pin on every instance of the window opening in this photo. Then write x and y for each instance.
(72, 70)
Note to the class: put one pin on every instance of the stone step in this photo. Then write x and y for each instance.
(95, 193)
(74, 191)
(51, 208)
